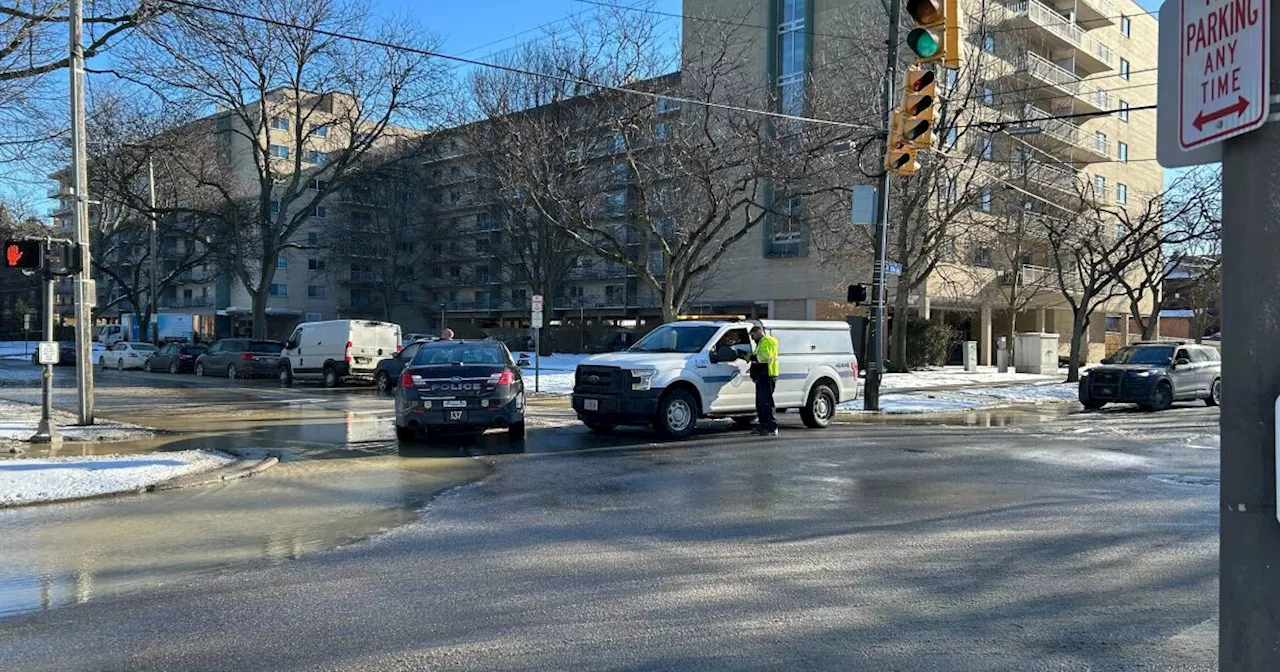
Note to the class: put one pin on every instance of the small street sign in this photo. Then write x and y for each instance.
(892, 268)
(1223, 54)
(26, 321)
(537, 303)
(537, 319)
(48, 352)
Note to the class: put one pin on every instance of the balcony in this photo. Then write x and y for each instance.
(361, 278)
(1092, 13)
(1040, 277)
(186, 302)
(1040, 71)
(1061, 33)
(1061, 137)
(596, 272)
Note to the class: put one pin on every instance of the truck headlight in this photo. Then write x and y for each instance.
(1141, 374)
(642, 379)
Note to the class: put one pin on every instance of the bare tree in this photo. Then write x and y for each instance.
(1094, 248)
(297, 105)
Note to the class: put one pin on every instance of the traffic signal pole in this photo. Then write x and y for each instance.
(84, 294)
(47, 430)
(1249, 548)
(875, 367)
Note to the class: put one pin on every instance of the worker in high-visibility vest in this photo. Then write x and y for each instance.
(764, 372)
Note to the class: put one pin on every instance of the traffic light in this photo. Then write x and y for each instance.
(24, 254)
(936, 36)
(901, 159)
(919, 97)
(857, 294)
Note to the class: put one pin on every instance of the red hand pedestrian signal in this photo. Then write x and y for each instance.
(22, 254)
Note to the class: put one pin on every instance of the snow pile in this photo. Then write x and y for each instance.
(971, 398)
(26, 481)
(18, 422)
(949, 376)
(555, 372)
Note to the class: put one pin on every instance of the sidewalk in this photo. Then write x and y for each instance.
(18, 421)
(51, 479)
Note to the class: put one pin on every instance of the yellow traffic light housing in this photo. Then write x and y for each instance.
(900, 159)
(919, 101)
(936, 36)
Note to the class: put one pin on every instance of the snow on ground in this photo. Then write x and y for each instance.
(19, 351)
(26, 481)
(947, 376)
(18, 422)
(971, 398)
(555, 373)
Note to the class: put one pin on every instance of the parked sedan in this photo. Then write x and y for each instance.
(175, 358)
(1153, 375)
(387, 376)
(126, 355)
(66, 354)
(240, 358)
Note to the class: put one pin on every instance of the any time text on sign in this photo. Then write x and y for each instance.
(1223, 52)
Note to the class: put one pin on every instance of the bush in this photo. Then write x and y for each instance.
(928, 343)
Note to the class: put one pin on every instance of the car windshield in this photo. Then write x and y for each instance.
(460, 353)
(1159, 355)
(268, 348)
(671, 338)
(145, 347)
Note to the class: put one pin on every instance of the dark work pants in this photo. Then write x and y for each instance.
(764, 402)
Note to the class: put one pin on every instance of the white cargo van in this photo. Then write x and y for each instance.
(337, 350)
(683, 371)
(111, 334)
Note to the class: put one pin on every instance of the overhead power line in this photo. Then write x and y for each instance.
(519, 71)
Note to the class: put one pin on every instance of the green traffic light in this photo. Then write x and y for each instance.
(922, 43)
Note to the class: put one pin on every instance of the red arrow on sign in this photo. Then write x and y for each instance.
(1238, 107)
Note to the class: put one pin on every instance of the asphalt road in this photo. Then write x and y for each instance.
(1045, 541)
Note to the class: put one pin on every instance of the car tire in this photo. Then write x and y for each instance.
(1215, 393)
(516, 432)
(200, 369)
(232, 372)
(598, 426)
(330, 376)
(173, 368)
(744, 421)
(821, 409)
(382, 383)
(146, 366)
(406, 435)
(120, 364)
(1161, 398)
(677, 415)
(285, 375)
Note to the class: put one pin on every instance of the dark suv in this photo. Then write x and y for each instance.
(460, 386)
(1153, 375)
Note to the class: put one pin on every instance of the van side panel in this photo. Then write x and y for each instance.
(807, 355)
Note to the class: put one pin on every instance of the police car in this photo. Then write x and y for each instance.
(683, 371)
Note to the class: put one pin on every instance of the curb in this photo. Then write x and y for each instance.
(243, 468)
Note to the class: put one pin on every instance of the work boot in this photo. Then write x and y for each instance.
(761, 431)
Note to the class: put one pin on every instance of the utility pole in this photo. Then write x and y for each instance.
(875, 367)
(1249, 549)
(84, 291)
(155, 251)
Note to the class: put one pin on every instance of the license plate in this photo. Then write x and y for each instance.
(457, 416)
(590, 404)
(455, 404)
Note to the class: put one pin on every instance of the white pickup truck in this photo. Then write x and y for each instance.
(684, 371)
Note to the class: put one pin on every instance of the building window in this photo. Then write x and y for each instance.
(986, 200)
(519, 298)
(453, 197)
(1122, 152)
(320, 212)
(315, 291)
(1124, 110)
(1124, 69)
(319, 130)
(275, 207)
(785, 229)
(317, 185)
(982, 257)
(282, 263)
(989, 43)
(988, 96)
(618, 204)
(315, 264)
(280, 123)
(792, 56)
(361, 297)
(1100, 186)
(280, 151)
(1122, 193)
(224, 123)
(953, 137)
(279, 289)
(1126, 26)
(661, 131)
(1100, 142)
(315, 238)
(985, 149)
(437, 272)
(666, 105)
(317, 157)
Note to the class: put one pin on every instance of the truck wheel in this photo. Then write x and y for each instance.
(285, 374)
(232, 371)
(1093, 405)
(1215, 393)
(1161, 399)
(382, 383)
(817, 414)
(173, 367)
(330, 376)
(677, 415)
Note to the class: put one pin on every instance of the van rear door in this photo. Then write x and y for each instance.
(372, 342)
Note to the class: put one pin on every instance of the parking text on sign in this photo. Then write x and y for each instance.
(1223, 53)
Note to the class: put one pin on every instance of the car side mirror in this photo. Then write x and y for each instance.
(1181, 361)
(291, 345)
(1108, 360)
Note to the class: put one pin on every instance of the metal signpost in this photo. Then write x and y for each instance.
(47, 355)
(536, 321)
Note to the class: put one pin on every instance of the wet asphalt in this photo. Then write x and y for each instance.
(1032, 539)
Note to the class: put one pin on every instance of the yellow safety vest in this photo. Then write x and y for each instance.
(767, 353)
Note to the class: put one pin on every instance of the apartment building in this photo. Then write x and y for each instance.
(1039, 58)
